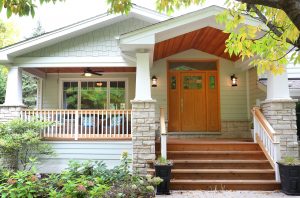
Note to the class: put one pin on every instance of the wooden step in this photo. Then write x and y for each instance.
(224, 174)
(187, 184)
(216, 155)
(219, 164)
(211, 146)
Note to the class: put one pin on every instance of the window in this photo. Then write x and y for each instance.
(93, 95)
(102, 94)
(192, 82)
(70, 95)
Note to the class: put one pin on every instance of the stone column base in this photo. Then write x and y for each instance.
(143, 134)
(10, 112)
(281, 114)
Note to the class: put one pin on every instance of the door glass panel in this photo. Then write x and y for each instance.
(186, 66)
(192, 82)
(70, 95)
(117, 95)
(94, 95)
(212, 82)
(173, 82)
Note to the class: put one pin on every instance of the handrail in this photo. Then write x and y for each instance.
(163, 134)
(265, 124)
(267, 139)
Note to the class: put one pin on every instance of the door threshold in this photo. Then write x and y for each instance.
(195, 133)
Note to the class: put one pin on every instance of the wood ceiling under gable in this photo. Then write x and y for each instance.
(208, 39)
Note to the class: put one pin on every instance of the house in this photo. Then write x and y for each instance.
(103, 81)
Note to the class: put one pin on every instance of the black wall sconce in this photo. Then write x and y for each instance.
(154, 81)
(233, 80)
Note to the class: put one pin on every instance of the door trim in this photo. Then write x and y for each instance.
(218, 119)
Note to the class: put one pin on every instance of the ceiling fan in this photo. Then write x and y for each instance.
(89, 72)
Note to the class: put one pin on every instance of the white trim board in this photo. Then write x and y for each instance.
(33, 62)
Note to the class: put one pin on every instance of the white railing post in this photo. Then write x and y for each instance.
(277, 157)
(163, 134)
(76, 124)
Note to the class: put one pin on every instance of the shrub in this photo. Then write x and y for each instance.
(20, 141)
(81, 180)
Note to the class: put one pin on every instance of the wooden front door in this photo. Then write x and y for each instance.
(193, 101)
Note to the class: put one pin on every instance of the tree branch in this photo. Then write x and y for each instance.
(272, 27)
(269, 3)
(290, 7)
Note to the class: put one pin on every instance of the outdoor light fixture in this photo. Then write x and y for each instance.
(233, 80)
(154, 81)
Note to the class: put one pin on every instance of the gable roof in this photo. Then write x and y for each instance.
(179, 25)
(9, 52)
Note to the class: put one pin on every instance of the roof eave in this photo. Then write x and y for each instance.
(8, 53)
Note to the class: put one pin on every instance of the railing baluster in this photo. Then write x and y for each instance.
(102, 118)
(115, 122)
(76, 124)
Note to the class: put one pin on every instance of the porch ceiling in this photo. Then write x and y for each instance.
(81, 69)
(208, 39)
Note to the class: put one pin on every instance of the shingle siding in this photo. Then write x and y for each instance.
(101, 42)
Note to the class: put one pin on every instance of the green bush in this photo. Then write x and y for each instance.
(82, 180)
(20, 141)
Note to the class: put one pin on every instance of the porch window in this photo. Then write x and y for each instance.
(104, 94)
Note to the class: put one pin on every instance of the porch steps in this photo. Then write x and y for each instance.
(218, 165)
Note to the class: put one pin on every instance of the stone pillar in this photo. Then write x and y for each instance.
(281, 114)
(143, 134)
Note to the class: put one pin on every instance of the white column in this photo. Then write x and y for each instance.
(142, 86)
(278, 86)
(13, 96)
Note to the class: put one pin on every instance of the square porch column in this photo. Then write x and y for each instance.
(280, 111)
(143, 117)
(13, 104)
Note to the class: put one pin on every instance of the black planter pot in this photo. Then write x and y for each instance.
(164, 172)
(290, 179)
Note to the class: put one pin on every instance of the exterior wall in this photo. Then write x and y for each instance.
(97, 43)
(236, 129)
(233, 99)
(254, 91)
(51, 86)
(107, 151)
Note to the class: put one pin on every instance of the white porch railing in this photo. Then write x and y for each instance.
(267, 139)
(163, 134)
(83, 124)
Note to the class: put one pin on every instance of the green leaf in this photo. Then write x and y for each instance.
(1, 5)
(32, 11)
(8, 12)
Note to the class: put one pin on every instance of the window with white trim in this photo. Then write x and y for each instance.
(102, 94)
